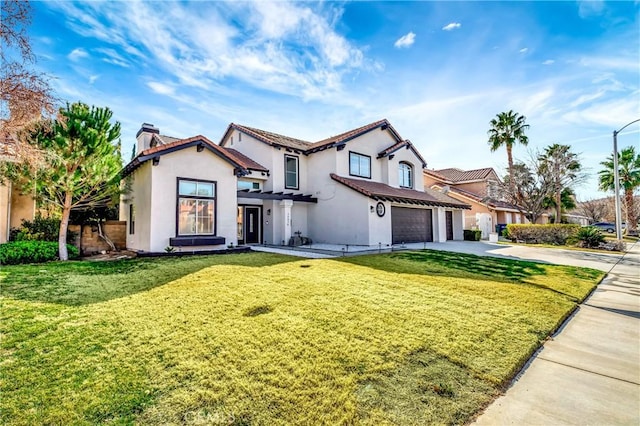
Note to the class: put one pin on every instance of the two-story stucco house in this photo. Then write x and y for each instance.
(362, 187)
(479, 188)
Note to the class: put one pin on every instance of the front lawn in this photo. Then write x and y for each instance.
(418, 337)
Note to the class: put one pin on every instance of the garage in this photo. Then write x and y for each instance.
(411, 225)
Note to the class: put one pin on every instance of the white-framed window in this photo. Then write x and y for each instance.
(359, 165)
(291, 172)
(405, 175)
(196, 207)
(247, 184)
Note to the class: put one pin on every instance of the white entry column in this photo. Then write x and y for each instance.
(286, 219)
(439, 225)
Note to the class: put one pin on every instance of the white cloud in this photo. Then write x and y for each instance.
(93, 78)
(161, 88)
(548, 62)
(452, 26)
(77, 54)
(405, 41)
(113, 57)
(524, 50)
(283, 47)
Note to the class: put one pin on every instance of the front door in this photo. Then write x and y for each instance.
(449, 221)
(252, 225)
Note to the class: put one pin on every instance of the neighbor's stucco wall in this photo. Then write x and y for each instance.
(190, 164)
(4, 213)
(14, 208)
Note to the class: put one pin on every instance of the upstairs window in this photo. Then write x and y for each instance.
(290, 172)
(359, 165)
(405, 175)
(196, 207)
(246, 184)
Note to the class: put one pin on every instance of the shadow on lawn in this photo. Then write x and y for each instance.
(432, 262)
(78, 283)
(459, 265)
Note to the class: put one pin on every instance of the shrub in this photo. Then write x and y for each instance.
(16, 252)
(472, 234)
(40, 229)
(588, 236)
(557, 234)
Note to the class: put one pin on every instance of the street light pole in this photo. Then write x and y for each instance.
(616, 184)
(616, 179)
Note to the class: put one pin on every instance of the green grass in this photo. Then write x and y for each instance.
(419, 337)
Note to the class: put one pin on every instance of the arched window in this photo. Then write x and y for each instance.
(405, 175)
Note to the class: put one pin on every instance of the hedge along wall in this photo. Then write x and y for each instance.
(88, 238)
(542, 234)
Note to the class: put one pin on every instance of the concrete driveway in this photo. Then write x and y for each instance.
(588, 373)
(600, 261)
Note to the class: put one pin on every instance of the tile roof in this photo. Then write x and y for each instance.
(164, 139)
(179, 144)
(245, 161)
(272, 138)
(306, 147)
(488, 201)
(399, 145)
(351, 134)
(381, 191)
(455, 175)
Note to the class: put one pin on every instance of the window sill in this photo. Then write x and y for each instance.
(196, 241)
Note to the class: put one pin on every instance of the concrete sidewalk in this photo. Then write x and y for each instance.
(588, 373)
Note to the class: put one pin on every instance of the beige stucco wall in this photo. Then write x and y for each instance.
(190, 164)
(155, 198)
(140, 198)
(342, 217)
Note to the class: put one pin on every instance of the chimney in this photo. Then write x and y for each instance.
(144, 136)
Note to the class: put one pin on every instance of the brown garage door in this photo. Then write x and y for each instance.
(410, 225)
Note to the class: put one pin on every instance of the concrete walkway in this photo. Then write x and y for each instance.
(588, 373)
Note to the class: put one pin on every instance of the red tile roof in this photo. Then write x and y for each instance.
(399, 145)
(488, 201)
(351, 134)
(381, 191)
(245, 161)
(272, 138)
(159, 150)
(454, 175)
(306, 147)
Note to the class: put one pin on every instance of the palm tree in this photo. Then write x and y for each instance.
(507, 129)
(629, 174)
(563, 168)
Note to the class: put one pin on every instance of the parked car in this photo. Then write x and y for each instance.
(607, 226)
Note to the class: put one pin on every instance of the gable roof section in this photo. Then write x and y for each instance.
(382, 192)
(304, 147)
(270, 138)
(345, 137)
(487, 201)
(178, 145)
(454, 175)
(399, 145)
(245, 161)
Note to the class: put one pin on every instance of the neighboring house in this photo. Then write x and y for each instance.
(480, 189)
(14, 206)
(361, 187)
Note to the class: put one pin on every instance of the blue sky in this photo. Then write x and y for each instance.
(439, 71)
